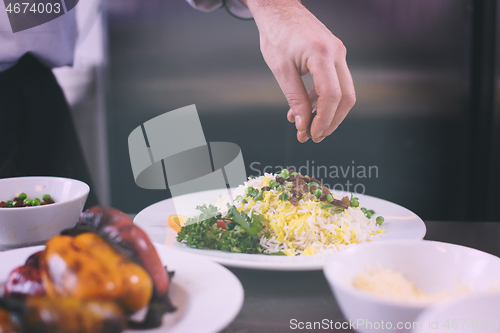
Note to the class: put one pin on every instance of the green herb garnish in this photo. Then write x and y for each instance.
(259, 196)
(240, 236)
(241, 199)
(283, 196)
(251, 192)
(277, 254)
(252, 226)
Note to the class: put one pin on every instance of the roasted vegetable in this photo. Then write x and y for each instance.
(61, 315)
(70, 314)
(7, 323)
(26, 279)
(99, 272)
(121, 232)
(87, 267)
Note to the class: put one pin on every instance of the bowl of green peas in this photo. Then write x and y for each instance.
(33, 209)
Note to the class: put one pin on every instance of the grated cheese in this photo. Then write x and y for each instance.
(395, 286)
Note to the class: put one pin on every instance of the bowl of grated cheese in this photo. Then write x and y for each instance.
(384, 286)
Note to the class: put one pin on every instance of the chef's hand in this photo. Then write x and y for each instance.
(293, 42)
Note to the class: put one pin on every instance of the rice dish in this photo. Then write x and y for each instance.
(307, 222)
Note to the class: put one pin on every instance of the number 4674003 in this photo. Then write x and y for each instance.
(26, 7)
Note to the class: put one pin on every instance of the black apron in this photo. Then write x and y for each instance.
(37, 134)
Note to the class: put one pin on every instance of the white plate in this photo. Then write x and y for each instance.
(208, 296)
(400, 223)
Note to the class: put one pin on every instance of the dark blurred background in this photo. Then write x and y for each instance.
(427, 116)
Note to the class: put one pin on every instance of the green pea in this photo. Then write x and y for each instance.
(371, 211)
(285, 173)
(363, 209)
(22, 196)
(36, 202)
(280, 188)
(294, 174)
(329, 198)
(272, 183)
(46, 197)
(368, 215)
(317, 192)
(9, 203)
(14, 203)
(354, 202)
(27, 202)
(312, 184)
(380, 220)
(259, 196)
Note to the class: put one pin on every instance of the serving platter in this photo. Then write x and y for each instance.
(400, 224)
(207, 295)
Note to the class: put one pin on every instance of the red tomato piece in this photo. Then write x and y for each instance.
(221, 224)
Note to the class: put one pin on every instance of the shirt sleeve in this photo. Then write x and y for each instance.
(234, 7)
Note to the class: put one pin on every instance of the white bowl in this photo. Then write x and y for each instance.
(24, 226)
(475, 313)
(432, 266)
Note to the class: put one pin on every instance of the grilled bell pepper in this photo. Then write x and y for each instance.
(87, 267)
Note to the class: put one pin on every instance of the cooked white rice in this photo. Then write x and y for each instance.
(305, 229)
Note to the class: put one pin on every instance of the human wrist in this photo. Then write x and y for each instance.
(258, 7)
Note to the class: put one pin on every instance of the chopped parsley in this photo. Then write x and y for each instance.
(241, 234)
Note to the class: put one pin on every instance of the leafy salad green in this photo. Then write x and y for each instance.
(239, 235)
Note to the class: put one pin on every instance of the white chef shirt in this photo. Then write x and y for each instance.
(54, 42)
